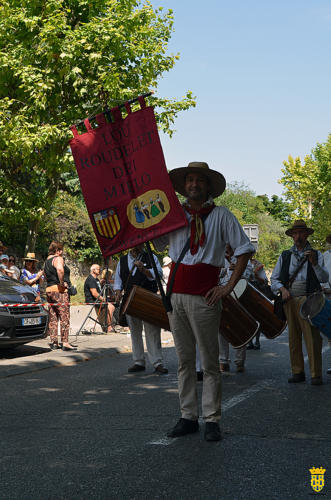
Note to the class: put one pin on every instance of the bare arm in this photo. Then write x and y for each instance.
(96, 294)
(32, 280)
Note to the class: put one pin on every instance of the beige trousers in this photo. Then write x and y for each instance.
(296, 327)
(193, 322)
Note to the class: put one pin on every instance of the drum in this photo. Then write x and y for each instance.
(147, 306)
(259, 307)
(237, 326)
(317, 310)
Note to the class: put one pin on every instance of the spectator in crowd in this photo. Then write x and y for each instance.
(12, 267)
(30, 276)
(4, 262)
(57, 274)
(93, 293)
(3, 248)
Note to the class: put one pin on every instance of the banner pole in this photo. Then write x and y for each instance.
(157, 276)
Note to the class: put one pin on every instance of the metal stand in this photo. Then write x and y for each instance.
(106, 291)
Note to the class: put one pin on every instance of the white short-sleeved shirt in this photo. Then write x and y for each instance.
(221, 227)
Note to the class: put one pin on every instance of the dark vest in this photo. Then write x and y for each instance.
(139, 278)
(312, 283)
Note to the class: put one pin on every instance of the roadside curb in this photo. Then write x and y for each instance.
(43, 358)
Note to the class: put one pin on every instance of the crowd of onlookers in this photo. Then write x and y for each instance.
(28, 275)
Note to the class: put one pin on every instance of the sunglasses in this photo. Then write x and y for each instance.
(11, 260)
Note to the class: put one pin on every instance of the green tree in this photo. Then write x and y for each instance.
(251, 209)
(61, 60)
(277, 207)
(307, 188)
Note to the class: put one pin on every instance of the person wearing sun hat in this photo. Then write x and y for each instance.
(294, 293)
(30, 276)
(4, 262)
(196, 294)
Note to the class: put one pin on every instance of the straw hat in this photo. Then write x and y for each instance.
(166, 261)
(298, 224)
(216, 179)
(30, 256)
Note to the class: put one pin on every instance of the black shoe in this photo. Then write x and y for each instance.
(250, 345)
(212, 431)
(257, 346)
(54, 346)
(297, 377)
(160, 369)
(199, 376)
(328, 371)
(183, 427)
(136, 368)
(316, 381)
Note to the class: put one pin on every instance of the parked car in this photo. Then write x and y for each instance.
(20, 324)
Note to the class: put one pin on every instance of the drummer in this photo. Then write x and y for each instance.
(229, 265)
(196, 296)
(135, 268)
(311, 273)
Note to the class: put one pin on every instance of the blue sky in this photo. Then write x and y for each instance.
(260, 70)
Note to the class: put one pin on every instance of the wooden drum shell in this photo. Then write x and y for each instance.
(147, 306)
(260, 307)
(237, 326)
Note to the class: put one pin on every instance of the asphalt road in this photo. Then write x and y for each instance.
(92, 430)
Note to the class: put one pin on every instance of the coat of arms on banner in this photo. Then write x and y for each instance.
(107, 223)
(317, 478)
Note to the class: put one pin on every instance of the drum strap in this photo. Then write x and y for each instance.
(292, 278)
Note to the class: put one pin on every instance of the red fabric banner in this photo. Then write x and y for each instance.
(125, 184)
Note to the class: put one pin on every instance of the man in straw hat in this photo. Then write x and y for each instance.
(294, 293)
(196, 294)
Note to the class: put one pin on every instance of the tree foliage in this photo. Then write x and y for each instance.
(307, 188)
(61, 60)
(277, 207)
(251, 209)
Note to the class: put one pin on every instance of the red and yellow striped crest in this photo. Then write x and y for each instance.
(107, 223)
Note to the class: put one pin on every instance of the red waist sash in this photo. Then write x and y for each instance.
(196, 279)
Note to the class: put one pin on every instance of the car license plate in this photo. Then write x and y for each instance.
(31, 321)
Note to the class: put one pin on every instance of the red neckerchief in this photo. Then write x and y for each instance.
(198, 236)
